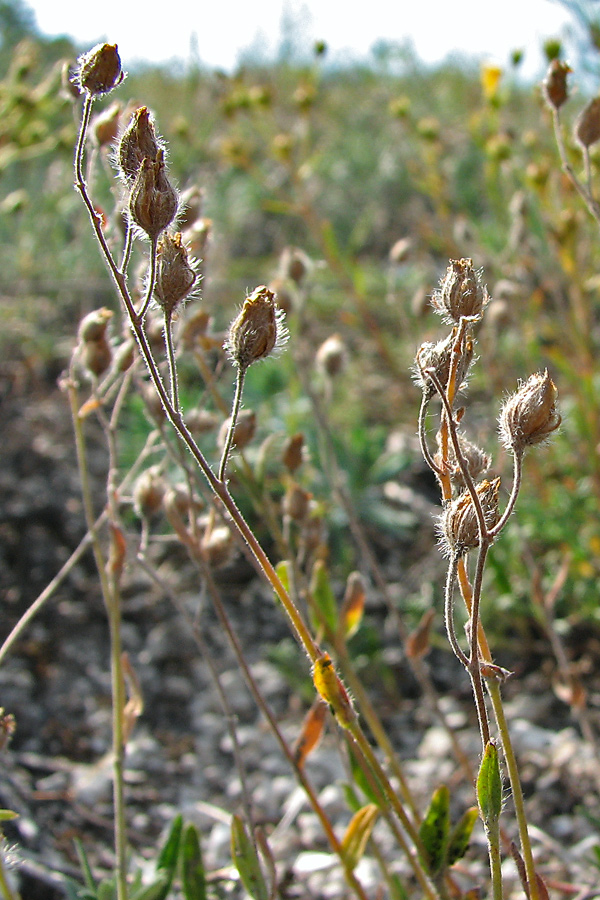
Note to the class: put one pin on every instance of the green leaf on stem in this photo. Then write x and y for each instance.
(460, 836)
(489, 786)
(322, 599)
(246, 861)
(193, 877)
(435, 829)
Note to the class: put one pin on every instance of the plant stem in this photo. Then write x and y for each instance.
(235, 411)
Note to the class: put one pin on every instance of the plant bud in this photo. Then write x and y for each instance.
(191, 206)
(293, 454)
(153, 403)
(555, 83)
(244, 430)
(125, 356)
(461, 292)
(153, 202)
(332, 356)
(530, 415)
(99, 71)
(257, 330)
(439, 358)
(148, 493)
(93, 326)
(294, 264)
(477, 460)
(139, 142)
(587, 127)
(458, 524)
(175, 277)
(296, 502)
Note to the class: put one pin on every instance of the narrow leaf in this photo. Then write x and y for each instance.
(358, 833)
(157, 890)
(90, 881)
(489, 786)
(460, 836)
(312, 729)
(283, 571)
(435, 828)
(322, 598)
(193, 876)
(361, 780)
(246, 861)
(397, 889)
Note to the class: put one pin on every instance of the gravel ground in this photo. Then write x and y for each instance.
(56, 771)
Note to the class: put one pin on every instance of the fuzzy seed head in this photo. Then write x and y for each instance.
(148, 493)
(99, 70)
(137, 143)
(154, 201)
(439, 358)
(461, 292)
(244, 430)
(296, 502)
(555, 83)
(530, 415)
(477, 460)
(293, 452)
(93, 327)
(459, 529)
(175, 276)
(257, 330)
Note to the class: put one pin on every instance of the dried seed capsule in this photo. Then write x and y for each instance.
(105, 126)
(217, 546)
(96, 356)
(477, 460)
(200, 421)
(175, 277)
(461, 292)
(459, 529)
(296, 502)
(138, 142)
(257, 330)
(555, 83)
(438, 357)
(587, 127)
(154, 201)
(148, 493)
(530, 415)
(244, 430)
(293, 453)
(332, 356)
(99, 70)
(93, 326)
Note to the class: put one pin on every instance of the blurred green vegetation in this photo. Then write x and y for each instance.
(344, 163)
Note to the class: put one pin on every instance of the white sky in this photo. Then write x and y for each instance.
(222, 28)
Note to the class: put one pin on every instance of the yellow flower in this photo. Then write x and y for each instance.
(490, 80)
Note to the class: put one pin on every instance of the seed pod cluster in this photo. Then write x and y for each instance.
(459, 526)
(461, 292)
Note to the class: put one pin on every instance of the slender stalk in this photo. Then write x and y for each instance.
(173, 381)
(111, 601)
(235, 411)
(449, 610)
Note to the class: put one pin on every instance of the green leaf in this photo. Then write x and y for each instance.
(90, 881)
(323, 604)
(361, 780)
(434, 830)
(193, 876)
(246, 861)
(107, 890)
(6, 815)
(489, 786)
(397, 889)
(157, 890)
(352, 801)
(460, 836)
(283, 571)
(166, 862)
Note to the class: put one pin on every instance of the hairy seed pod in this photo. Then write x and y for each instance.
(154, 201)
(175, 277)
(99, 70)
(476, 459)
(258, 329)
(438, 357)
(200, 421)
(293, 452)
(461, 292)
(555, 83)
(217, 546)
(138, 142)
(459, 528)
(148, 493)
(296, 502)
(96, 356)
(530, 415)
